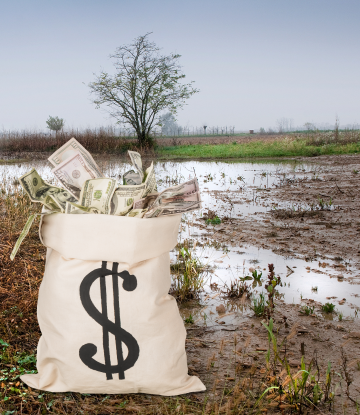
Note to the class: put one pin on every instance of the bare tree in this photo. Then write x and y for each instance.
(310, 126)
(284, 124)
(145, 84)
(169, 125)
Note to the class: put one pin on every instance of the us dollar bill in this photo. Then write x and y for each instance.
(184, 189)
(125, 196)
(132, 178)
(145, 202)
(166, 210)
(51, 204)
(84, 209)
(137, 163)
(136, 213)
(73, 172)
(40, 191)
(150, 180)
(97, 193)
(26, 230)
(71, 209)
(175, 201)
(68, 150)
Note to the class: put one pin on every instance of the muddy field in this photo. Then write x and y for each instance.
(320, 224)
(303, 215)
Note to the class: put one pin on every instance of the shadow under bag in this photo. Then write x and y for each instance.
(107, 321)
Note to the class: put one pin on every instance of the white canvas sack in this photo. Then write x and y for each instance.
(108, 324)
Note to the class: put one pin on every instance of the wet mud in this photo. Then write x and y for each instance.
(311, 215)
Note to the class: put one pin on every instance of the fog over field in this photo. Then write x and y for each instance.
(255, 62)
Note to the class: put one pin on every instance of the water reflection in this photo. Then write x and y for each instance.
(247, 186)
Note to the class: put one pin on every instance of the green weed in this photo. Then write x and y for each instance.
(298, 390)
(214, 221)
(256, 276)
(189, 320)
(328, 307)
(259, 305)
(307, 310)
(270, 286)
(188, 274)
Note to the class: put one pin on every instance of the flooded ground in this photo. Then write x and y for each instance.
(300, 215)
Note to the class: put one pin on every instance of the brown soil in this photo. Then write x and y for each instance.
(319, 233)
(310, 234)
(238, 351)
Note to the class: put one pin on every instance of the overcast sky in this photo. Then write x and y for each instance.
(254, 61)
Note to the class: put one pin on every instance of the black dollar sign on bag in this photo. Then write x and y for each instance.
(87, 351)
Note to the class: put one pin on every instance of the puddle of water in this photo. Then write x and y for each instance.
(301, 281)
(236, 179)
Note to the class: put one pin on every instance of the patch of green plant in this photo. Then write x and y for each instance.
(188, 273)
(189, 320)
(307, 310)
(122, 404)
(256, 276)
(328, 307)
(247, 278)
(323, 204)
(289, 146)
(270, 286)
(301, 389)
(214, 221)
(259, 305)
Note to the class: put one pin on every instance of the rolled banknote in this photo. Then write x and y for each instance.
(187, 188)
(150, 180)
(165, 211)
(145, 201)
(181, 200)
(68, 150)
(137, 163)
(25, 231)
(132, 178)
(42, 192)
(73, 172)
(97, 193)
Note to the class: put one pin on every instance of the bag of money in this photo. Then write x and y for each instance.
(108, 324)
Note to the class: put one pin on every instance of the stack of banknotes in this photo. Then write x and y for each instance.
(85, 190)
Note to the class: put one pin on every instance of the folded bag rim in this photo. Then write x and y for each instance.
(93, 237)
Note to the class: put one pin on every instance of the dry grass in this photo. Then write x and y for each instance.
(95, 141)
(331, 137)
